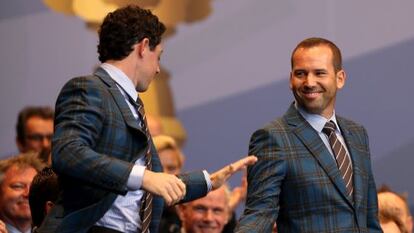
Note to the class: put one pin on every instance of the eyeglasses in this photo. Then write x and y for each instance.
(39, 137)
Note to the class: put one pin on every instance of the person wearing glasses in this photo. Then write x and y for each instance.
(34, 129)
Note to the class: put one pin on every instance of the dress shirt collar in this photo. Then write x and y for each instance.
(121, 79)
(11, 229)
(315, 120)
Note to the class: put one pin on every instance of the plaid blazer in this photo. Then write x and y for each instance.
(297, 184)
(95, 145)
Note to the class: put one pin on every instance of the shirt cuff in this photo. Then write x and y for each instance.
(135, 177)
(208, 180)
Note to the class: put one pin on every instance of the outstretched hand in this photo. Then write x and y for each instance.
(219, 177)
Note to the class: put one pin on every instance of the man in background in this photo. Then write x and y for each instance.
(392, 202)
(34, 129)
(16, 175)
(208, 214)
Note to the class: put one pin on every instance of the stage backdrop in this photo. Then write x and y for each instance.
(230, 72)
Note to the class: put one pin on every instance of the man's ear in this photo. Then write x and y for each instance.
(142, 47)
(290, 80)
(48, 206)
(340, 79)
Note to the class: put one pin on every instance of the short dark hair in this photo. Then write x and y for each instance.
(125, 27)
(316, 41)
(45, 187)
(26, 113)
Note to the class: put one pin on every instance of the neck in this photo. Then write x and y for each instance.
(127, 67)
(328, 114)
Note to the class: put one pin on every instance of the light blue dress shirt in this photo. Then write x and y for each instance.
(12, 229)
(318, 122)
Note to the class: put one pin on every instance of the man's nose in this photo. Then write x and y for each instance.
(209, 216)
(310, 80)
(46, 142)
(26, 191)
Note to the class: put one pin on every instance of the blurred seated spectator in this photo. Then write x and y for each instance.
(390, 221)
(397, 204)
(16, 175)
(172, 159)
(208, 214)
(154, 125)
(34, 129)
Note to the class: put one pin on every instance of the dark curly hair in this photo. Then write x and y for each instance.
(125, 27)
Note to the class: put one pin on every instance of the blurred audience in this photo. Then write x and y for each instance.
(390, 221)
(16, 175)
(172, 159)
(34, 129)
(208, 214)
(154, 125)
(396, 204)
(43, 194)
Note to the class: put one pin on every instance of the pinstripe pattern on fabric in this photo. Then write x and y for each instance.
(342, 158)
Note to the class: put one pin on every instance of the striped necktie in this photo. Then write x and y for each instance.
(146, 202)
(342, 158)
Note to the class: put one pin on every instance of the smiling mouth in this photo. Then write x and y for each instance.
(206, 227)
(311, 95)
(23, 203)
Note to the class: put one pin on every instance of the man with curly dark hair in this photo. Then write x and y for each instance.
(110, 175)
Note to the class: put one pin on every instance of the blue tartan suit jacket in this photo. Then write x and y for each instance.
(297, 184)
(95, 145)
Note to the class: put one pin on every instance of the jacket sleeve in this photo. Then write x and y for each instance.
(196, 185)
(264, 185)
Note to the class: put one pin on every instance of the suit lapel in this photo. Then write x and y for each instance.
(119, 100)
(310, 138)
